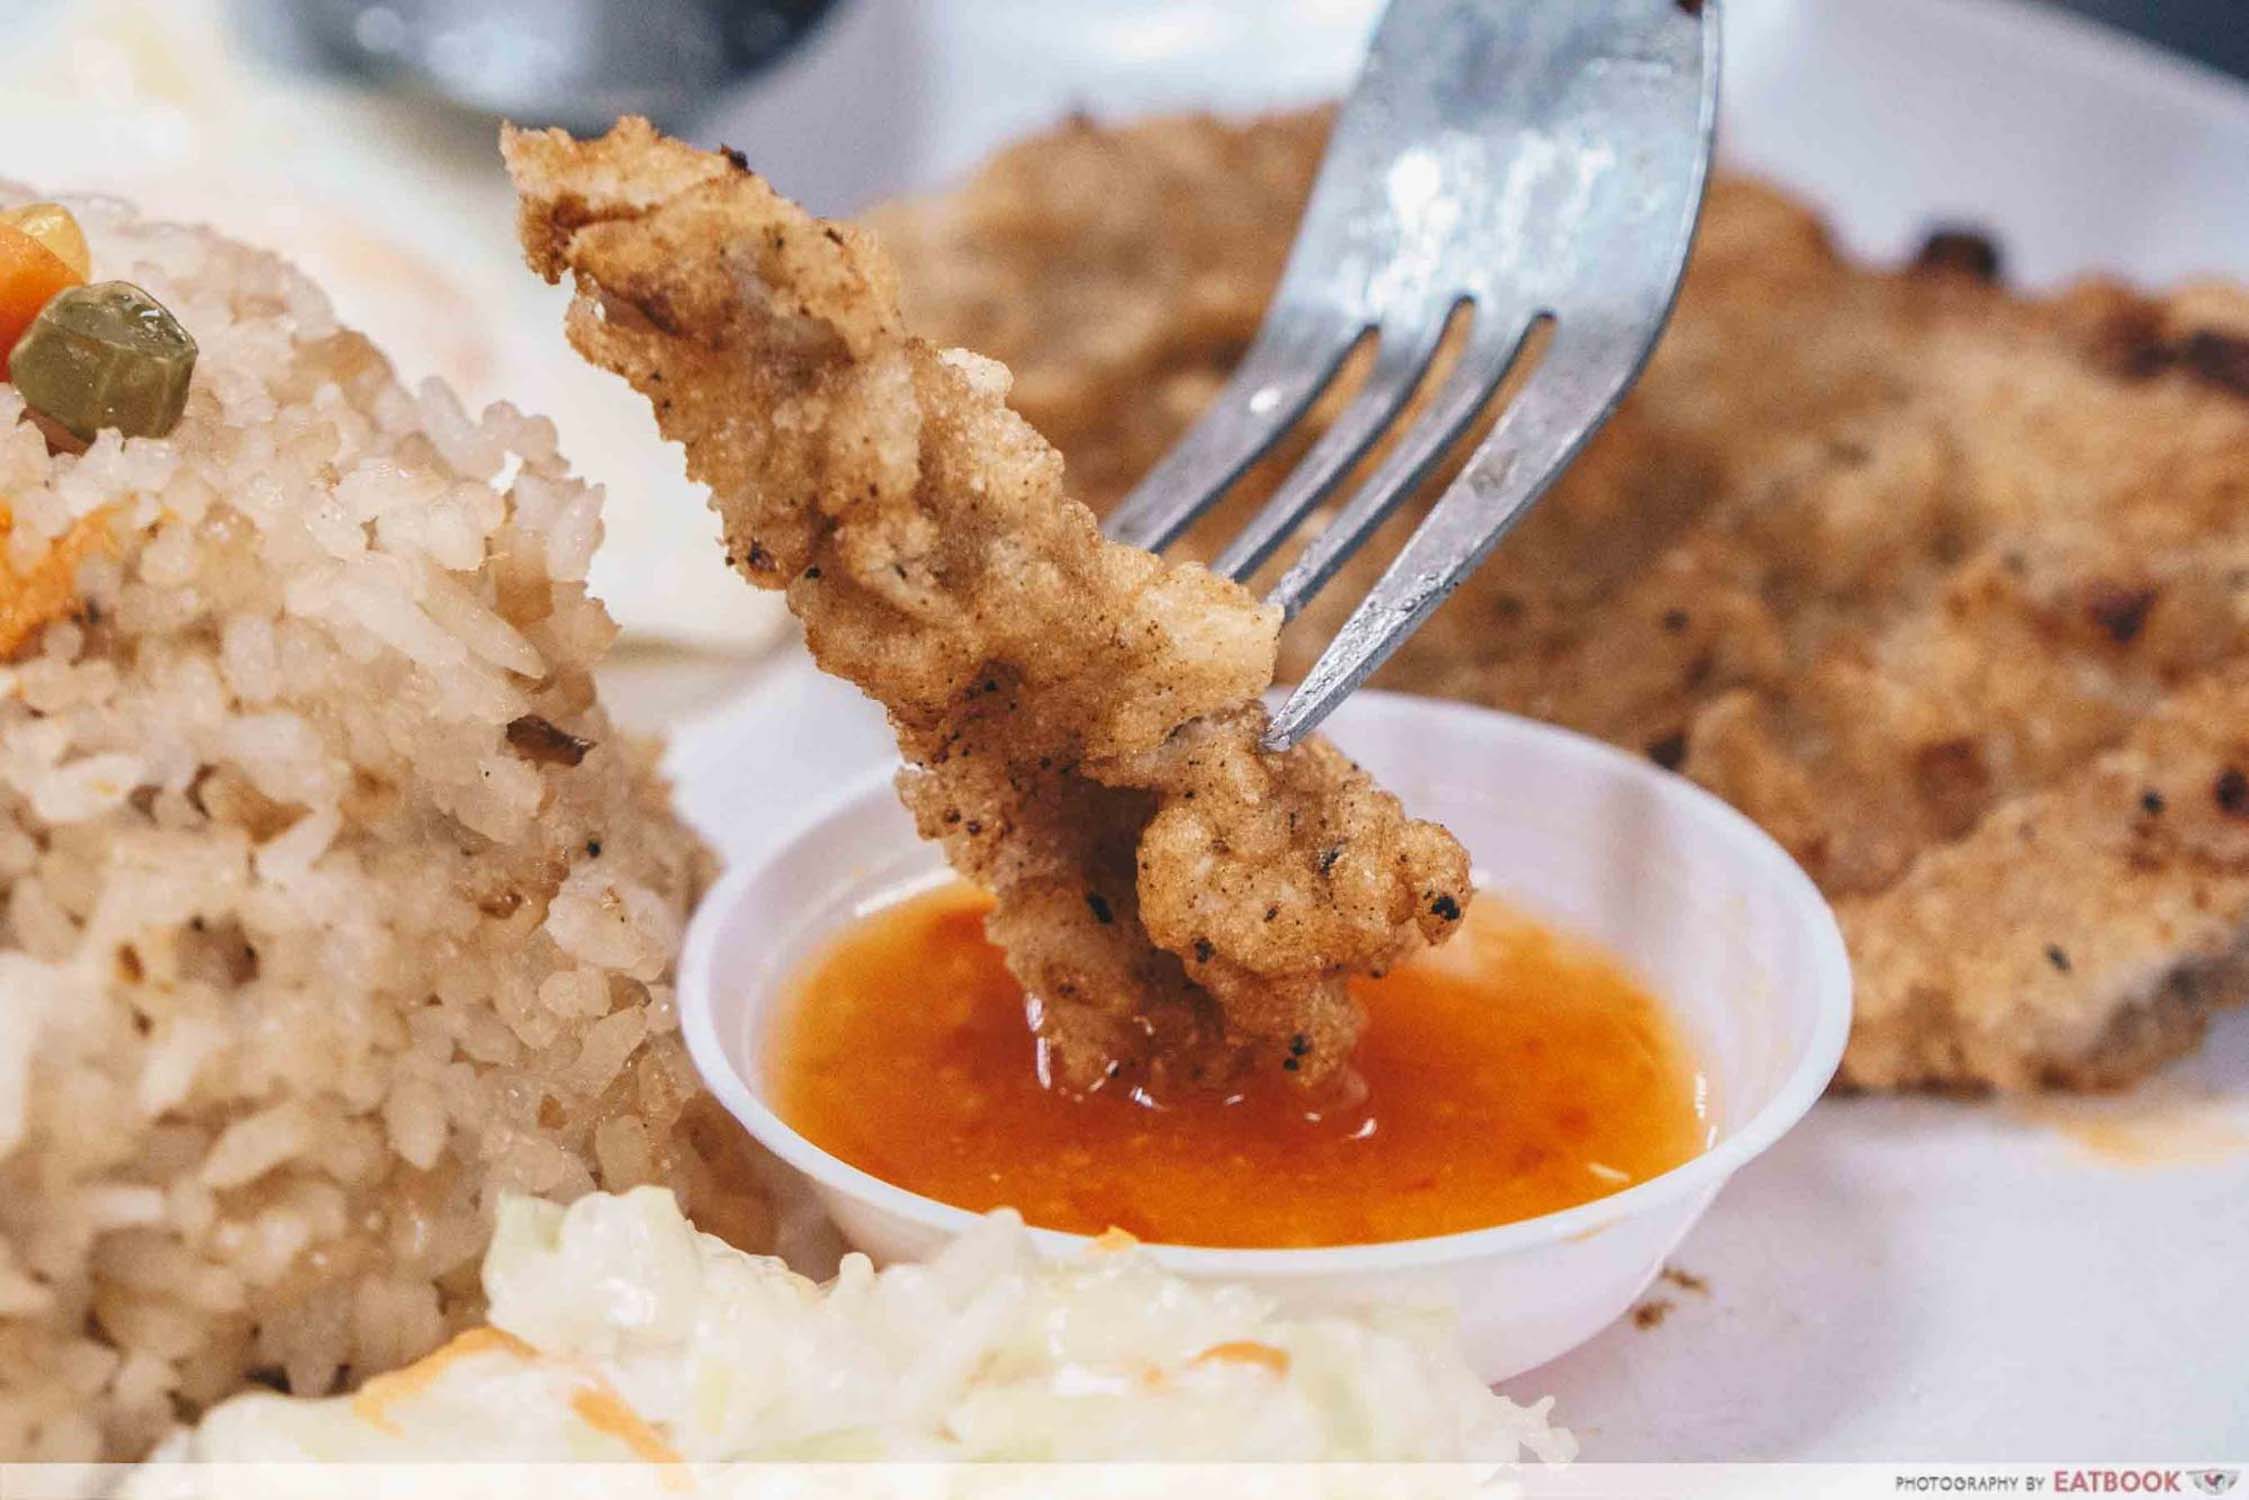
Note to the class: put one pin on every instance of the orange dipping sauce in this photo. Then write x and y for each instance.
(1508, 1074)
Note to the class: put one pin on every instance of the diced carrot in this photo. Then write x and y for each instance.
(57, 228)
(48, 590)
(30, 274)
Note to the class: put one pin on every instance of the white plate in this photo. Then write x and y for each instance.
(1902, 1279)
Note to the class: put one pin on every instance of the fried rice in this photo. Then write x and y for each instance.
(332, 905)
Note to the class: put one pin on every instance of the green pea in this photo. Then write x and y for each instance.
(105, 355)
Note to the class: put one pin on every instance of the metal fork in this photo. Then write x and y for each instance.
(1517, 162)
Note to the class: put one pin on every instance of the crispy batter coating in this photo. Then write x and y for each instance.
(1893, 560)
(1079, 719)
(2102, 972)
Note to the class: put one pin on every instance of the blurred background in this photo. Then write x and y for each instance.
(356, 136)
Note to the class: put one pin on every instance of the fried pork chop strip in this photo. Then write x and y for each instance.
(1957, 556)
(1079, 719)
(2081, 933)
(1876, 555)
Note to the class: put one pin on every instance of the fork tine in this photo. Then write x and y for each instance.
(1330, 294)
(1289, 363)
(1491, 349)
(1401, 361)
(1558, 409)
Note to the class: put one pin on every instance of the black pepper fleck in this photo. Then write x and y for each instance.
(1203, 950)
(1675, 620)
(2152, 803)
(2058, 957)
(2232, 792)
(1446, 907)
(1669, 752)
(593, 848)
(1099, 906)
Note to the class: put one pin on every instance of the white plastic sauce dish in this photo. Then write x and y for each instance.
(1688, 895)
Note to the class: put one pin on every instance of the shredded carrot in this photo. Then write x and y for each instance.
(1246, 1352)
(372, 1404)
(30, 275)
(605, 1412)
(49, 590)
